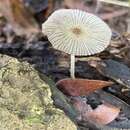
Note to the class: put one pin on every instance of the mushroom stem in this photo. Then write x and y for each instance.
(72, 67)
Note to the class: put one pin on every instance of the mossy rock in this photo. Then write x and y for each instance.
(25, 99)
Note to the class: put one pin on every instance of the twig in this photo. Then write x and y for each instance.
(117, 2)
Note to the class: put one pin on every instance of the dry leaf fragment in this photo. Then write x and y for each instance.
(114, 70)
(18, 16)
(103, 114)
(79, 87)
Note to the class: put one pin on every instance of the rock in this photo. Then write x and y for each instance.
(60, 100)
(25, 100)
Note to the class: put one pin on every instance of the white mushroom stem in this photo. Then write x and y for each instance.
(72, 66)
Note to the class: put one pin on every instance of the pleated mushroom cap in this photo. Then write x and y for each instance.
(77, 32)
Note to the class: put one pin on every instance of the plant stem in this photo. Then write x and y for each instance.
(72, 66)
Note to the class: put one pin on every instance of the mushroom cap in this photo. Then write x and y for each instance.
(77, 32)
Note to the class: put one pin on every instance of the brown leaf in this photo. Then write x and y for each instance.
(117, 71)
(19, 17)
(79, 87)
(103, 114)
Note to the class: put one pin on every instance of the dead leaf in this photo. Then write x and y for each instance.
(79, 87)
(100, 96)
(114, 70)
(103, 114)
(18, 16)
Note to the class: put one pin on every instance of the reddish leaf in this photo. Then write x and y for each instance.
(79, 87)
(103, 114)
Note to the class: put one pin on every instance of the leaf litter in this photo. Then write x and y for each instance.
(45, 59)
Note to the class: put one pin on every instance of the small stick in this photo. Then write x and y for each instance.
(116, 2)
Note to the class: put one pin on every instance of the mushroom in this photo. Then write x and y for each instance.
(77, 33)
